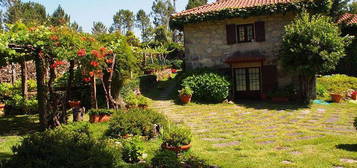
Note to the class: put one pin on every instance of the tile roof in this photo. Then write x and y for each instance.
(348, 18)
(224, 4)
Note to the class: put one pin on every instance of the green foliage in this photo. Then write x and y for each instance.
(177, 136)
(162, 35)
(207, 86)
(169, 159)
(311, 45)
(186, 91)
(317, 6)
(165, 159)
(132, 99)
(321, 91)
(17, 105)
(123, 21)
(287, 92)
(143, 23)
(101, 112)
(195, 3)
(338, 7)
(338, 83)
(30, 13)
(59, 17)
(139, 122)
(161, 12)
(99, 28)
(63, 148)
(133, 149)
(352, 7)
(177, 64)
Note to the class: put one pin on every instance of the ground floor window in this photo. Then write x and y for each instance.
(248, 79)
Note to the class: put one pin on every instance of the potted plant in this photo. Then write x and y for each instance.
(354, 95)
(177, 139)
(99, 115)
(186, 95)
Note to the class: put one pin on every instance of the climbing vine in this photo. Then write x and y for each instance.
(316, 6)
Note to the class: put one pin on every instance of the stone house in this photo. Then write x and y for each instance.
(241, 35)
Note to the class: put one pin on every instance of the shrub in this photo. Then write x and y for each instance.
(169, 159)
(133, 150)
(177, 136)
(131, 99)
(177, 64)
(338, 83)
(208, 86)
(143, 101)
(16, 105)
(136, 122)
(165, 159)
(101, 111)
(62, 148)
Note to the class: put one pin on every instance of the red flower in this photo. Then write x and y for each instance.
(54, 38)
(32, 28)
(81, 53)
(91, 74)
(109, 70)
(110, 52)
(84, 39)
(95, 53)
(53, 66)
(103, 49)
(109, 61)
(59, 63)
(173, 70)
(86, 79)
(40, 53)
(354, 93)
(94, 63)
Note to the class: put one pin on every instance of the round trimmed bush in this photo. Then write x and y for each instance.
(139, 122)
(208, 86)
(63, 147)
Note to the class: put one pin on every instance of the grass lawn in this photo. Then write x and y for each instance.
(256, 134)
(246, 134)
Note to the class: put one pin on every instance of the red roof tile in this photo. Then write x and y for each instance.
(232, 4)
(348, 18)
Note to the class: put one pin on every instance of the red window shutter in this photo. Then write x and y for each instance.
(259, 31)
(269, 78)
(231, 34)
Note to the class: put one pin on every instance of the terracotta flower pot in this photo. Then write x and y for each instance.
(354, 96)
(280, 99)
(185, 98)
(337, 98)
(99, 118)
(176, 148)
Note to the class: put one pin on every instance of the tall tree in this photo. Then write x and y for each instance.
(338, 7)
(60, 17)
(144, 24)
(311, 45)
(162, 35)
(99, 28)
(161, 12)
(30, 13)
(76, 27)
(352, 8)
(195, 3)
(124, 21)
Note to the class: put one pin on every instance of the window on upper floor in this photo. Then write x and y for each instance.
(245, 33)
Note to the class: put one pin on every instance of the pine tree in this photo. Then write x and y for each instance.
(124, 21)
(60, 17)
(143, 23)
(195, 3)
(99, 28)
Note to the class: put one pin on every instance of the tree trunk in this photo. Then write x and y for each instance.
(307, 87)
(13, 73)
(52, 105)
(41, 90)
(94, 102)
(24, 87)
(64, 118)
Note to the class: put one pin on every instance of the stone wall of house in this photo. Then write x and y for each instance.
(206, 43)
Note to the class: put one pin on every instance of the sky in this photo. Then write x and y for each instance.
(85, 12)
